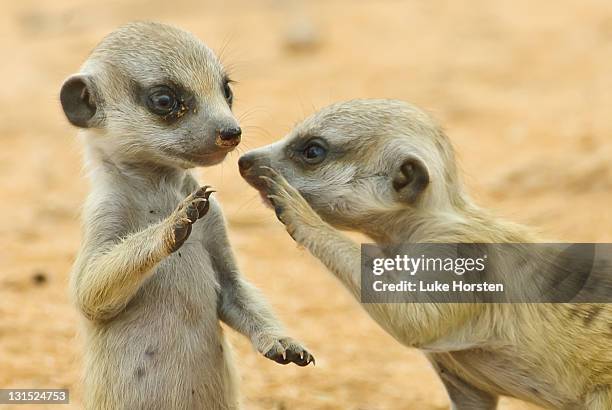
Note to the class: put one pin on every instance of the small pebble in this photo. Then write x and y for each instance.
(301, 36)
(39, 278)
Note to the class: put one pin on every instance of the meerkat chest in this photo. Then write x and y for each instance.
(188, 273)
(156, 205)
(183, 288)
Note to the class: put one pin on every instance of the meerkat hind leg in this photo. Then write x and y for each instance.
(464, 396)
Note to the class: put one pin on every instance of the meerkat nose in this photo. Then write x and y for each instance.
(230, 134)
(245, 162)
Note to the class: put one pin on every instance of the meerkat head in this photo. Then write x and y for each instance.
(357, 160)
(151, 92)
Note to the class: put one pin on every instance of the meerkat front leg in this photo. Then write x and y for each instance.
(243, 308)
(106, 279)
(412, 324)
(341, 255)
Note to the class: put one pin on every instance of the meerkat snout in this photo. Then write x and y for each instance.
(228, 136)
(155, 93)
(245, 163)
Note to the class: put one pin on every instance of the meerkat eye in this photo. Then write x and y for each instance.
(228, 93)
(162, 101)
(314, 152)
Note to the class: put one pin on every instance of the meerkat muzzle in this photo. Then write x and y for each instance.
(228, 137)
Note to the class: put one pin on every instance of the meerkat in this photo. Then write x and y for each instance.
(155, 273)
(386, 169)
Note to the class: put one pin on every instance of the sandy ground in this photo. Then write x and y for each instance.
(523, 88)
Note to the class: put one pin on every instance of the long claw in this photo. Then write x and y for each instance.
(272, 170)
(271, 182)
(202, 190)
(200, 204)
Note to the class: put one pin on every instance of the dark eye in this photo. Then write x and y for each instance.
(227, 92)
(162, 101)
(314, 153)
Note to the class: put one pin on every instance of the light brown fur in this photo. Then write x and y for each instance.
(556, 355)
(155, 274)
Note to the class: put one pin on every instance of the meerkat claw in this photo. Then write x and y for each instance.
(303, 358)
(271, 182)
(278, 357)
(306, 360)
(204, 191)
(200, 199)
(271, 170)
(201, 204)
(278, 210)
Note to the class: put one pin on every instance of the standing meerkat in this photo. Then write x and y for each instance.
(155, 273)
(384, 168)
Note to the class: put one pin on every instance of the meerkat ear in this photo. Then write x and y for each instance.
(411, 179)
(79, 100)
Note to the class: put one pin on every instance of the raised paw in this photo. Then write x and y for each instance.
(192, 208)
(289, 205)
(286, 350)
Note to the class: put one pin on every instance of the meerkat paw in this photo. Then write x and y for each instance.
(192, 208)
(289, 205)
(286, 350)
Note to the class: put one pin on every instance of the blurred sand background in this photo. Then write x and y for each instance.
(523, 88)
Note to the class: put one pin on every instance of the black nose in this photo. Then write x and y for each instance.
(230, 133)
(245, 162)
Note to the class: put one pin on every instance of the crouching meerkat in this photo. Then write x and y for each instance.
(384, 168)
(155, 273)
